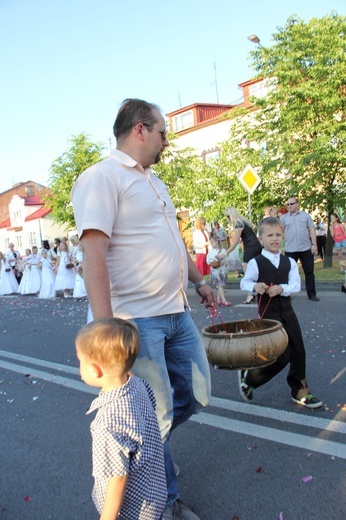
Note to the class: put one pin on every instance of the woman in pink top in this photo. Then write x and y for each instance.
(338, 232)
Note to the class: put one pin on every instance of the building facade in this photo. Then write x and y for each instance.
(25, 221)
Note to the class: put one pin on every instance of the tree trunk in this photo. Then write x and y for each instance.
(328, 258)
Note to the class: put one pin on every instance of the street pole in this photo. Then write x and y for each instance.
(249, 206)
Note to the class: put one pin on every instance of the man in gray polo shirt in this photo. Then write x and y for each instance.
(301, 242)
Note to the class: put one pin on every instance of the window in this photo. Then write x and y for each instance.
(19, 241)
(182, 121)
(211, 156)
(17, 218)
(29, 190)
(262, 88)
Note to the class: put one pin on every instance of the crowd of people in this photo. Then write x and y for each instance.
(303, 240)
(56, 268)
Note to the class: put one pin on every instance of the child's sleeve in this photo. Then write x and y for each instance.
(251, 276)
(113, 448)
(294, 283)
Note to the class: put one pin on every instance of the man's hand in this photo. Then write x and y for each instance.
(207, 295)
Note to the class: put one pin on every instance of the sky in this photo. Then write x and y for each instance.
(66, 66)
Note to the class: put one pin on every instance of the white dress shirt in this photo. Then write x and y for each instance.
(251, 276)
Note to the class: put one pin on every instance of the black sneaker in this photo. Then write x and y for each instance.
(309, 401)
(244, 389)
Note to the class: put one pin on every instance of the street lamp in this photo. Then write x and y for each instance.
(254, 39)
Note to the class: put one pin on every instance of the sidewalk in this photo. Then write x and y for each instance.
(320, 286)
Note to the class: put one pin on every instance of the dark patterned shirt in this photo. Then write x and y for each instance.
(126, 441)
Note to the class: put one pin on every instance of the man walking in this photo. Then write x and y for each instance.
(136, 267)
(300, 242)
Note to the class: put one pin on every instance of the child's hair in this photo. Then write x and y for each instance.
(111, 342)
(337, 217)
(271, 222)
(215, 240)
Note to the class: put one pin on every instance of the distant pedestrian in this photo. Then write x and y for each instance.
(220, 233)
(65, 271)
(338, 232)
(217, 259)
(201, 245)
(301, 242)
(321, 237)
(243, 230)
(48, 276)
(128, 462)
(274, 278)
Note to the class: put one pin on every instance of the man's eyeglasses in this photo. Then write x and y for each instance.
(162, 132)
(291, 203)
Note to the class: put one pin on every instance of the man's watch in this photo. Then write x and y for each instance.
(199, 284)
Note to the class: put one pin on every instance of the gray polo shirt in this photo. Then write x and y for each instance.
(297, 235)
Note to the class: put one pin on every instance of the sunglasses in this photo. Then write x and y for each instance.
(162, 132)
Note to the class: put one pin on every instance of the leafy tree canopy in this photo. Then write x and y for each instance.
(303, 116)
(64, 172)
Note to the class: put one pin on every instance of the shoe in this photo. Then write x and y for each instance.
(179, 511)
(245, 390)
(249, 299)
(309, 401)
(314, 298)
(343, 288)
(227, 304)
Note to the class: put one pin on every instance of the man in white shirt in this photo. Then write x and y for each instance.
(301, 242)
(136, 267)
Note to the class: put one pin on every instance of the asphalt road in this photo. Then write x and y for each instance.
(263, 461)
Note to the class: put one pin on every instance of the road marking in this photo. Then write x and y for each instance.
(279, 415)
(296, 440)
(246, 428)
(217, 402)
(51, 378)
(40, 362)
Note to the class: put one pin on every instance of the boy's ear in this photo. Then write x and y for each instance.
(95, 370)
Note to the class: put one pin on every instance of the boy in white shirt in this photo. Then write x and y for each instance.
(275, 277)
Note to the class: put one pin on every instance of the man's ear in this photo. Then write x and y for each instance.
(139, 131)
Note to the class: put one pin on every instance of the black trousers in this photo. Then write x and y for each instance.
(293, 355)
(321, 245)
(307, 260)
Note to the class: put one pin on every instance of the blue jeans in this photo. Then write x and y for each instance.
(173, 360)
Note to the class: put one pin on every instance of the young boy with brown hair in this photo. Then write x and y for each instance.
(275, 277)
(127, 451)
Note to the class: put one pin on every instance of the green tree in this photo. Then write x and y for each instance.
(189, 180)
(246, 145)
(65, 170)
(204, 189)
(302, 118)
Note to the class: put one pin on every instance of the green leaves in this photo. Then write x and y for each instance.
(303, 118)
(64, 172)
